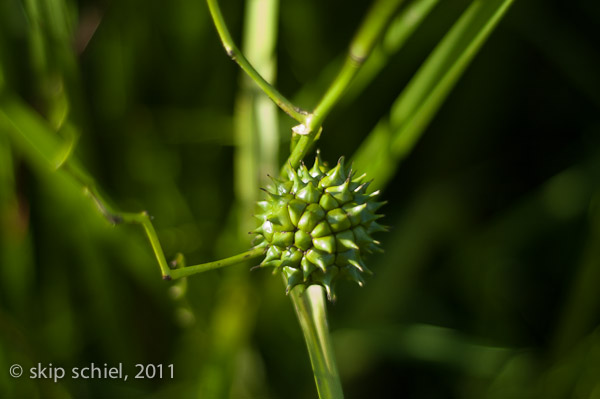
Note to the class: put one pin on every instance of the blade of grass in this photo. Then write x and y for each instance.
(395, 136)
(424, 343)
(53, 61)
(397, 33)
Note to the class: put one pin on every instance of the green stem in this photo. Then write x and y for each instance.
(396, 135)
(236, 55)
(117, 217)
(233, 260)
(312, 314)
(360, 48)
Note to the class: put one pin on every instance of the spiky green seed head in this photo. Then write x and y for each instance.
(316, 226)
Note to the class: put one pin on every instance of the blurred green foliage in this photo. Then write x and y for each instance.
(488, 286)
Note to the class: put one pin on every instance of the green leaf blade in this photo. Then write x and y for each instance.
(411, 113)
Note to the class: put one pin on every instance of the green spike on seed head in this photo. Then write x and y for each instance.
(316, 226)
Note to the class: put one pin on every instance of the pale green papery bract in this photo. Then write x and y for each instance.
(316, 226)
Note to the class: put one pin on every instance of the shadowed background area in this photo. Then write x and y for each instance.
(488, 284)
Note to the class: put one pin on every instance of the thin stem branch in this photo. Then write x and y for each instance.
(360, 48)
(144, 219)
(43, 148)
(310, 124)
(312, 315)
(236, 55)
(117, 217)
(233, 260)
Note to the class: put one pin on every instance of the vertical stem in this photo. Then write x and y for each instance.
(256, 122)
(260, 44)
(312, 315)
(256, 149)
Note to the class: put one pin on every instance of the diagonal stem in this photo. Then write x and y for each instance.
(236, 55)
(360, 48)
(310, 124)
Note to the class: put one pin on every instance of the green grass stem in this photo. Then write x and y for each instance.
(232, 260)
(395, 136)
(361, 47)
(236, 55)
(312, 315)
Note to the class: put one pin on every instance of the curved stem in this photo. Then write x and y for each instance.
(236, 55)
(312, 314)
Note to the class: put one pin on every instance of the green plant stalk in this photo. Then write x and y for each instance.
(232, 260)
(395, 136)
(310, 308)
(398, 31)
(401, 28)
(360, 48)
(481, 18)
(236, 55)
(310, 124)
(255, 116)
(312, 315)
(259, 126)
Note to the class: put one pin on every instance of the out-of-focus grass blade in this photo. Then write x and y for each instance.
(50, 26)
(30, 133)
(419, 342)
(398, 32)
(394, 136)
